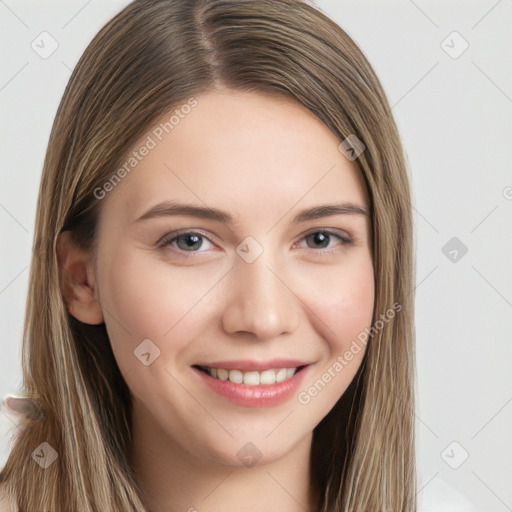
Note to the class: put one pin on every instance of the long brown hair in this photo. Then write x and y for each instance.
(152, 57)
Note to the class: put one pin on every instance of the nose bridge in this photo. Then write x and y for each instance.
(259, 301)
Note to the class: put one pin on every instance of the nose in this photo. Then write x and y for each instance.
(260, 300)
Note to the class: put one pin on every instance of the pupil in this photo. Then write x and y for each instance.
(320, 238)
(193, 239)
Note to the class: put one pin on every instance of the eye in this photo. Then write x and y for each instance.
(323, 238)
(192, 241)
(186, 241)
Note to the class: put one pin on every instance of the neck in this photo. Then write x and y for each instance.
(174, 480)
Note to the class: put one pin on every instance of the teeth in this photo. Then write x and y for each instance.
(221, 374)
(281, 375)
(252, 378)
(236, 376)
(269, 376)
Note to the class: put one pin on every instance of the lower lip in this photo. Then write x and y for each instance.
(255, 396)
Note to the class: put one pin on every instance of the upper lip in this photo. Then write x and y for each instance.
(247, 366)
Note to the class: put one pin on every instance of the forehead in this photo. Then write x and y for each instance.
(244, 151)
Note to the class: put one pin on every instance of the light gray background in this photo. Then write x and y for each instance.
(454, 115)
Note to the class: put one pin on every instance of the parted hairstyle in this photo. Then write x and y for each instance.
(150, 58)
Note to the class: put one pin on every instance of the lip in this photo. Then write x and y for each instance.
(245, 365)
(255, 396)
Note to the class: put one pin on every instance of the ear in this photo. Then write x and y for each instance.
(77, 281)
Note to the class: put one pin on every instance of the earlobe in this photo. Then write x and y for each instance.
(77, 281)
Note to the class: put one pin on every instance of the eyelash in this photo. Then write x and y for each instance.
(171, 237)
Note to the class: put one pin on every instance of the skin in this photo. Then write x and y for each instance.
(262, 158)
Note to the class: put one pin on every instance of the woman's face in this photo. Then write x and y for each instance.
(249, 298)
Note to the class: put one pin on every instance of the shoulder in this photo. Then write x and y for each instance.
(440, 496)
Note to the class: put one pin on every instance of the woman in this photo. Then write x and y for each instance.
(250, 366)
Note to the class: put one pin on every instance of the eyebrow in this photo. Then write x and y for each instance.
(171, 208)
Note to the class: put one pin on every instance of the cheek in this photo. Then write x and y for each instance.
(143, 298)
(344, 304)
(341, 313)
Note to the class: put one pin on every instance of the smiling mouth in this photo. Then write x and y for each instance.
(251, 378)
